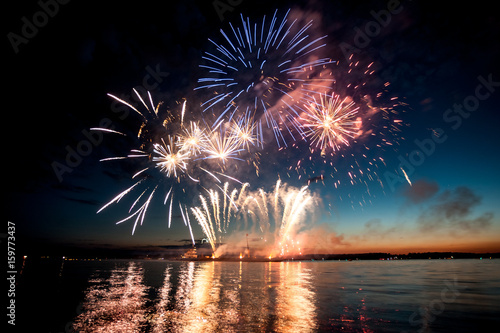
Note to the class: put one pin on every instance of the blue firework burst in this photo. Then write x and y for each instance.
(267, 68)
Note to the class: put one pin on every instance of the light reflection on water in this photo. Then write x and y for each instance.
(428, 296)
(295, 301)
(116, 304)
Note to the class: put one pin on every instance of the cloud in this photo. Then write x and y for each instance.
(373, 224)
(482, 221)
(421, 191)
(453, 210)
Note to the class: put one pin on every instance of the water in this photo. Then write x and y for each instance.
(357, 296)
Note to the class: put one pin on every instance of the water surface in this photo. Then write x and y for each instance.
(357, 296)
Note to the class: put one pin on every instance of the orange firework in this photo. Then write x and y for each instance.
(332, 122)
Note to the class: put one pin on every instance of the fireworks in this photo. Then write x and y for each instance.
(246, 132)
(350, 129)
(213, 217)
(222, 146)
(262, 76)
(171, 160)
(331, 122)
(275, 215)
(267, 68)
(179, 155)
(287, 207)
(192, 139)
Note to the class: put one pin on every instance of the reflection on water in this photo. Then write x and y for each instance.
(202, 297)
(116, 304)
(162, 315)
(142, 296)
(295, 307)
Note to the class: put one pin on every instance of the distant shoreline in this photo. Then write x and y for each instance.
(313, 257)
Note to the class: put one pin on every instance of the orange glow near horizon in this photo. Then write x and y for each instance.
(323, 239)
(405, 247)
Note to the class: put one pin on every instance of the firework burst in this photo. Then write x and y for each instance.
(222, 146)
(267, 74)
(170, 159)
(331, 122)
(177, 152)
(246, 132)
(192, 139)
(266, 68)
(350, 129)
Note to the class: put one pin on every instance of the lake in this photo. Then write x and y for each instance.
(320, 296)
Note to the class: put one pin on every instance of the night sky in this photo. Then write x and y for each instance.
(441, 61)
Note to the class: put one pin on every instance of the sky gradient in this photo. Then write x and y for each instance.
(441, 62)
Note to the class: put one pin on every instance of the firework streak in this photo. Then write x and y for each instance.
(178, 155)
(262, 77)
(276, 215)
(267, 68)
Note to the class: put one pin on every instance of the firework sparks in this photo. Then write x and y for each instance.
(192, 139)
(285, 208)
(406, 176)
(350, 128)
(331, 122)
(175, 155)
(289, 208)
(260, 66)
(141, 212)
(246, 132)
(222, 146)
(170, 160)
(266, 73)
(97, 129)
(213, 220)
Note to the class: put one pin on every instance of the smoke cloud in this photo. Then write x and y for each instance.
(453, 210)
(421, 191)
(321, 239)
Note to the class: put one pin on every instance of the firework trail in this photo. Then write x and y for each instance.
(286, 208)
(406, 176)
(275, 215)
(261, 76)
(173, 154)
(265, 68)
(213, 220)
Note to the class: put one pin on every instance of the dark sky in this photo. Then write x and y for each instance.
(434, 56)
